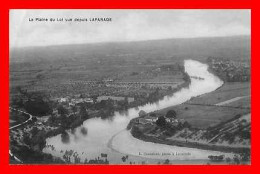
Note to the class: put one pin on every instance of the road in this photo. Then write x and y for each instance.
(16, 126)
(231, 100)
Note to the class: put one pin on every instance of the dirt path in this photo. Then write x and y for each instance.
(231, 100)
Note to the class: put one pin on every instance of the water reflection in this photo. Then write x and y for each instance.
(84, 131)
(65, 138)
(101, 132)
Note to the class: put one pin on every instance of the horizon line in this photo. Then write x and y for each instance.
(114, 42)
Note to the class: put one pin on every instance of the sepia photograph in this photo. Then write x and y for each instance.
(130, 86)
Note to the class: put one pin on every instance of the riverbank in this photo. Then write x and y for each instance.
(225, 149)
(100, 131)
(57, 130)
(154, 150)
(208, 130)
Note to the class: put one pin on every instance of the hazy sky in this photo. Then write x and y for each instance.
(126, 25)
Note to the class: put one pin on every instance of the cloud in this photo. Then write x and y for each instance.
(126, 25)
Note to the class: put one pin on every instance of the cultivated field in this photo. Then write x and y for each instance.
(203, 112)
(226, 92)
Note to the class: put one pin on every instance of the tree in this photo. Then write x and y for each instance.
(34, 119)
(228, 160)
(236, 159)
(62, 111)
(142, 113)
(103, 114)
(83, 112)
(52, 119)
(153, 115)
(171, 114)
(245, 156)
(37, 106)
(167, 161)
(18, 102)
(39, 139)
(101, 105)
(34, 131)
(186, 125)
(136, 132)
(94, 98)
(63, 116)
(125, 103)
(74, 109)
(161, 121)
(27, 139)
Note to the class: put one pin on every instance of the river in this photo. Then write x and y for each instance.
(111, 138)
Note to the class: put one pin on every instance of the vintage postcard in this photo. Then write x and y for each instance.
(130, 86)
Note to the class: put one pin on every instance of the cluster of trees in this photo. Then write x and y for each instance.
(154, 96)
(240, 158)
(70, 155)
(30, 156)
(241, 131)
(161, 122)
(36, 139)
(168, 127)
(107, 108)
(243, 134)
(36, 103)
(67, 120)
(228, 72)
(38, 107)
(186, 77)
(136, 132)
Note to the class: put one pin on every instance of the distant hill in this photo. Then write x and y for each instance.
(233, 47)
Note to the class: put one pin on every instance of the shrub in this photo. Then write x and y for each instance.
(161, 121)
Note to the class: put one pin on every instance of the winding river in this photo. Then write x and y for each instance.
(110, 136)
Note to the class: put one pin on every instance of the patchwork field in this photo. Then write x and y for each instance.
(227, 92)
(204, 112)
